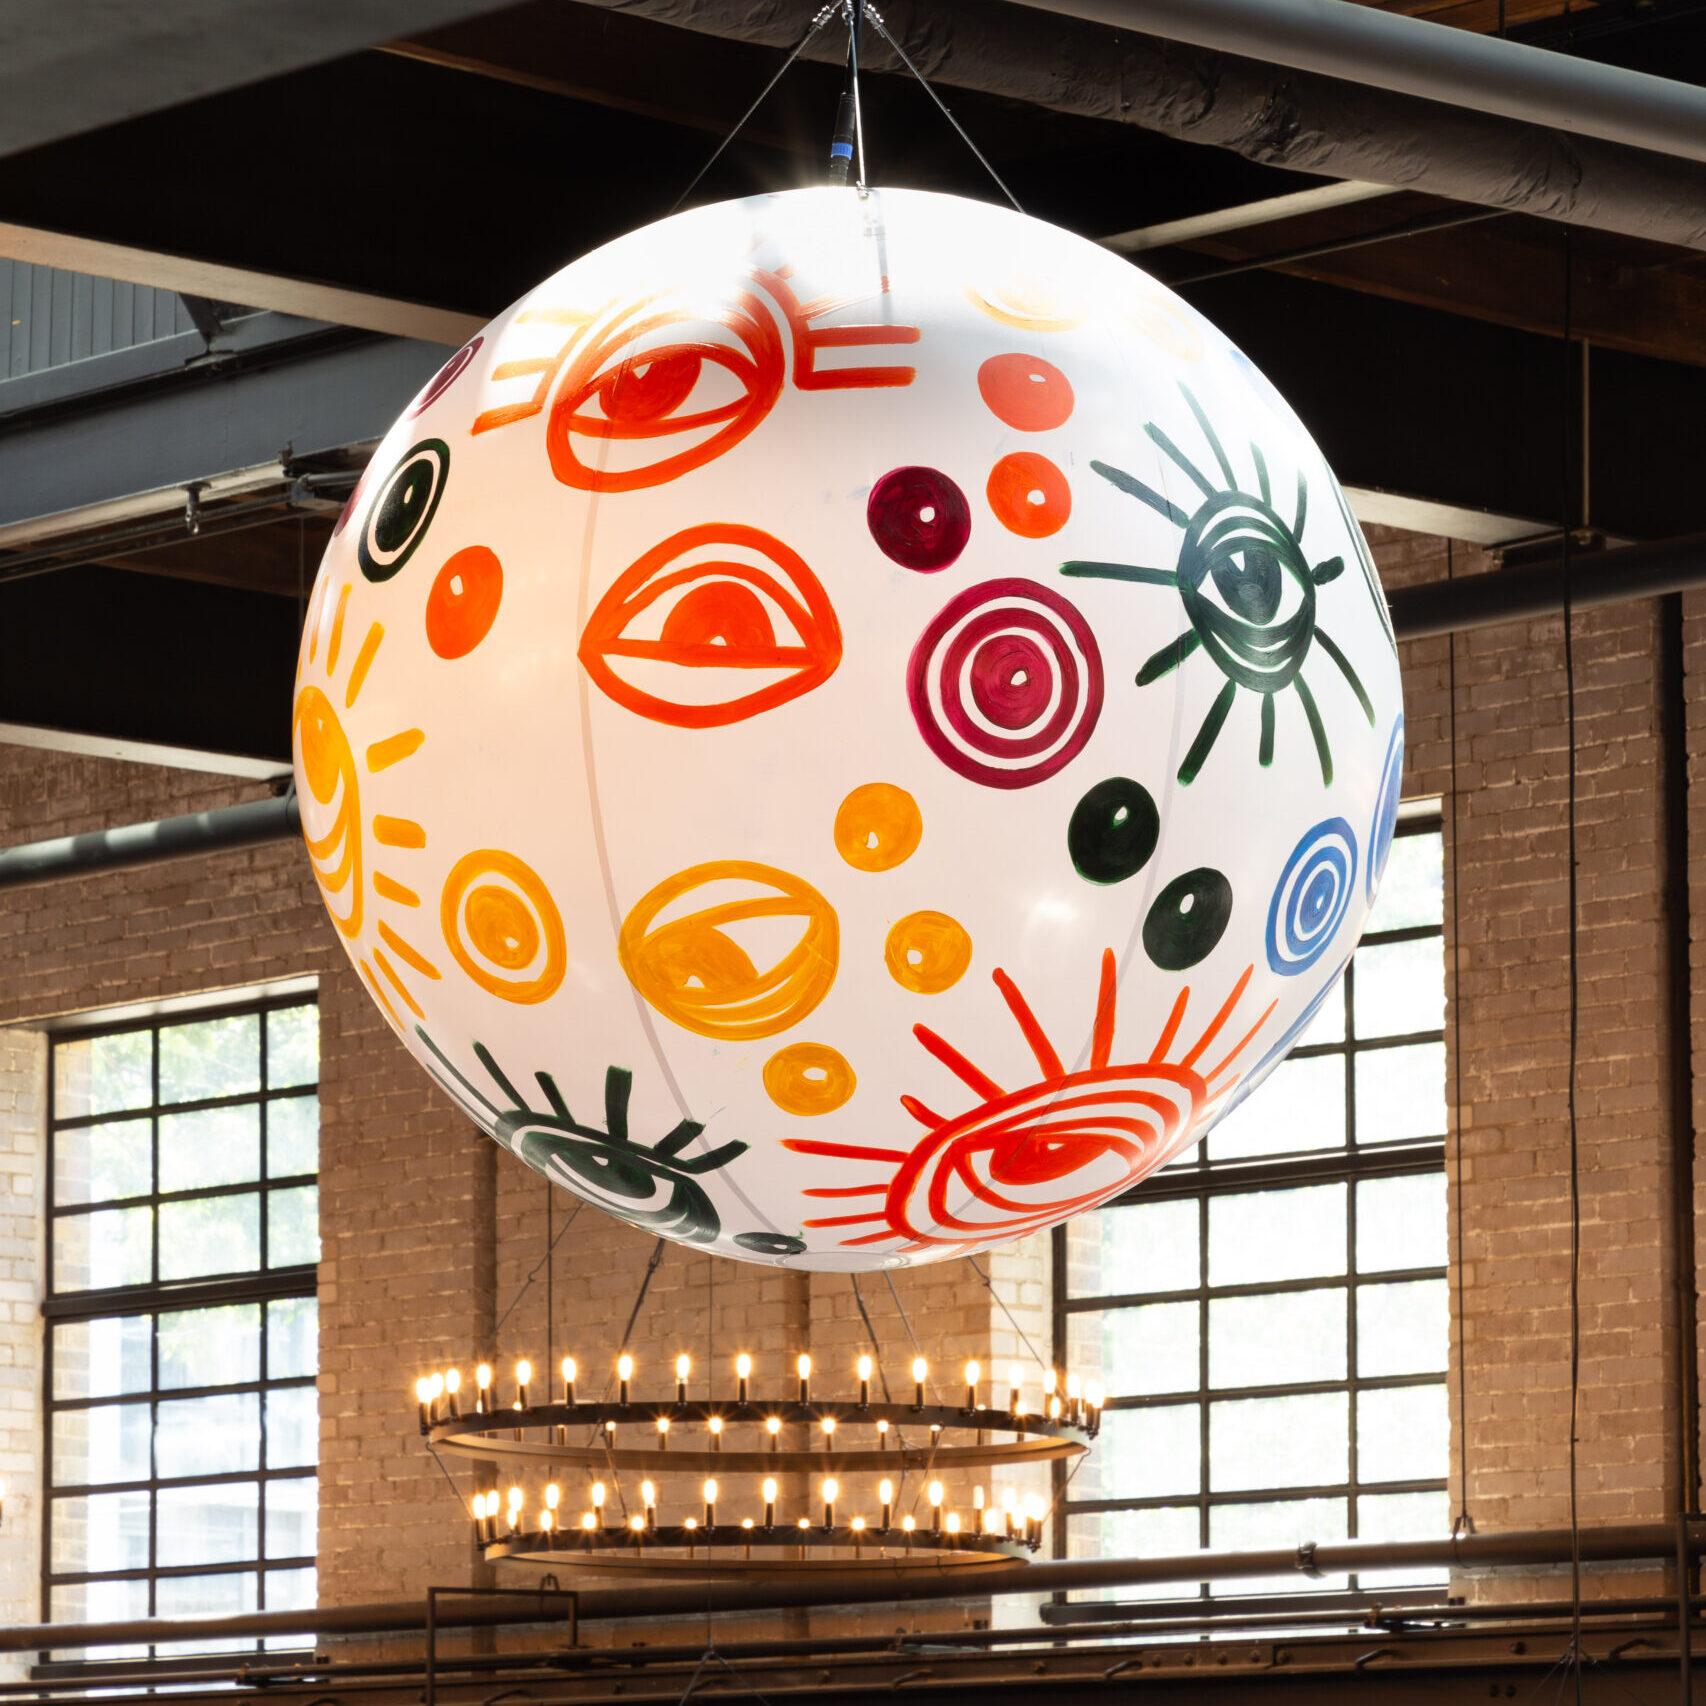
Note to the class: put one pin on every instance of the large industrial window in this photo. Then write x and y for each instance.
(1269, 1314)
(182, 1333)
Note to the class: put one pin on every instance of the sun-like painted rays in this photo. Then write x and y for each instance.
(1021, 1159)
(1248, 590)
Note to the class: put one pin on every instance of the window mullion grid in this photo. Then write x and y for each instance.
(154, 1331)
(258, 1286)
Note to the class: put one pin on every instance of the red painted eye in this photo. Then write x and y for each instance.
(716, 624)
(661, 392)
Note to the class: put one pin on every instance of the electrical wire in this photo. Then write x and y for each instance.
(982, 159)
(740, 124)
(1568, 507)
(1462, 1522)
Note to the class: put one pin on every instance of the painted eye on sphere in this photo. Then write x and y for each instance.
(714, 625)
(663, 391)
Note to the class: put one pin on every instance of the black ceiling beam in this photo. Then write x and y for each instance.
(68, 66)
(98, 653)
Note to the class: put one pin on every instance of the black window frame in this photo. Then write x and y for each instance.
(1203, 1180)
(259, 1286)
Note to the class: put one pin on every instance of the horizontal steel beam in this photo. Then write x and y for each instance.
(1411, 56)
(1621, 1543)
(299, 398)
(311, 298)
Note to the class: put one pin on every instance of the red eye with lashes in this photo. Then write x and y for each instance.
(660, 394)
(715, 625)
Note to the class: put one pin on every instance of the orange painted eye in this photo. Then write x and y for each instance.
(663, 391)
(715, 625)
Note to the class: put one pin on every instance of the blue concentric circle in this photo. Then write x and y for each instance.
(1312, 897)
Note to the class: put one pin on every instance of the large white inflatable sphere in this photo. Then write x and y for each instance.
(847, 729)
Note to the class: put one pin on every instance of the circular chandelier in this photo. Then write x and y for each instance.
(825, 1482)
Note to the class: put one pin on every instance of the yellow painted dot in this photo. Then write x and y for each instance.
(927, 952)
(808, 1078)
(878, 827)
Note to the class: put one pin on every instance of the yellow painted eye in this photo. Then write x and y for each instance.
(696, 971)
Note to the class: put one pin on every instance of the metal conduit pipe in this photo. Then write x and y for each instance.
(1597, 578)
(1410, 56)
(1617, 1543)
(222, 830)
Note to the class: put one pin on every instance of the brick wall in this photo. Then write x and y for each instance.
(430, 1236)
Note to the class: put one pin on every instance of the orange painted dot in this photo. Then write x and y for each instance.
(808, 1078)
(1029, 495)
(878, 827)
(927, 952)
(1026, 392)
(463, 603)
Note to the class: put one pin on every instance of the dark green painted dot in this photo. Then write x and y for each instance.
(1188, 918)
(1113, 831)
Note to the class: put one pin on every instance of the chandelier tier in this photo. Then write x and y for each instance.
(855, 1455)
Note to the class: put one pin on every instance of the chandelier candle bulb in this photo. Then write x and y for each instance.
(649, 1498)
(885, 1494)
(769, 1502)
(589, 1522)
(435, 1391)
(831, 1491)
(553, 1496)
(637, 1524)
(977, 1498)
(953, 1522)
(1054, 1408)
(858, 1527)
(883, 1434)
(907, 1528)
(482, 1388)
(804, 1366)
(715, 1425)
(1050, 1381)
(663, 1433)
(423, 1397)
(773, 1427)
(920, 1372)
(828, 1426)
(624, 1373)
(743, 1373)
(1015, 1387)
(710, 1492)
(974, 1373)
(935, 1493)
(523, 1379)
(683, 1368)
(453, 1390)
(597, 1504)
(547, 1522)
(865, 1368)
(569, 1373)
(1074, 1398)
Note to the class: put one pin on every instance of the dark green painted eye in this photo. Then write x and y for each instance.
(403, 509)
(1188, 919)
(770, 1243)
(1113, 831)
